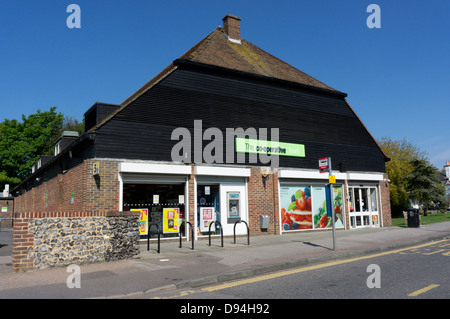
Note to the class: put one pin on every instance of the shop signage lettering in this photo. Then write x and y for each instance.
(246, 145)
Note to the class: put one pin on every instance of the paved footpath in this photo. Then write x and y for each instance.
(175, 268)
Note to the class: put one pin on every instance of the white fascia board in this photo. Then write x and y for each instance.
(311, 174)
(306, 174)
(222, 171)
(147, 168)
(365, 176)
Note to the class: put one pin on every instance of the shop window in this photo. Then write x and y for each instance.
(373, 199)
(208, 208)
(165, 205)
(352, 201)
(305, 207)
(357, 200)
(363, 199)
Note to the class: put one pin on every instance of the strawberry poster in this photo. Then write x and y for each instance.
(296, 207)
(304, 207)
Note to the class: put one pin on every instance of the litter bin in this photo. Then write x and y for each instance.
(413, 217)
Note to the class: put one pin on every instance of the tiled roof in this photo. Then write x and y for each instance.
(217, 50)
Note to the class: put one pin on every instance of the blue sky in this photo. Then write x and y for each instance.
(397, 77)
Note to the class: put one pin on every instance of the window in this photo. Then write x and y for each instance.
(304, 207)
(156, 198)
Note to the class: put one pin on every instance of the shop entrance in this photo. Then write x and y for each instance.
(223, 202)
(363, 207)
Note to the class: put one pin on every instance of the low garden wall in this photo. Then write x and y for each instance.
(47, 240)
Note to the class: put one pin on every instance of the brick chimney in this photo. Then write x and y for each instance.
(232, 27)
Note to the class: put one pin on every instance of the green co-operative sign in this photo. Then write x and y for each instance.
(246, 145)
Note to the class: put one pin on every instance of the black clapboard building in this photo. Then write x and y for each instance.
(142, 154)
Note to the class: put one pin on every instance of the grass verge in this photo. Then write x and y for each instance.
(432, 218)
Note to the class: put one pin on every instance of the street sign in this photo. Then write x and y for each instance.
(324, 165)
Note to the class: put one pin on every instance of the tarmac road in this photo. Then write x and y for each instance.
(180, 268)
(419, 271)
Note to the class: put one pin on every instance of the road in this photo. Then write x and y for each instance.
(416, 272)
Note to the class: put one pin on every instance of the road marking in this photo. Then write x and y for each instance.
(421, 291)
(299, 270)
(434, 252)
(308, 268)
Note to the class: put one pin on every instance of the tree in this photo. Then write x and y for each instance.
(424, 185)
(70, 123)
(401, 153)
(22, 143)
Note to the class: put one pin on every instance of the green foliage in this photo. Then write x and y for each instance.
(401, 153)
(424, 185)
(22, 143)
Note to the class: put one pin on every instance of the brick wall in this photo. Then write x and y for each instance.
(385, 201)
(191, 199)
(263, 200)
(102, 190)
(65, 192)
(73, 196)
(74, 191)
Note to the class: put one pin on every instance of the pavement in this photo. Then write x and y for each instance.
(177, 268)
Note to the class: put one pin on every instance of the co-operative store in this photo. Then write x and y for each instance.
(150, 154)
(228, 83)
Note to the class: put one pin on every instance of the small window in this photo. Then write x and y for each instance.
(57, 148)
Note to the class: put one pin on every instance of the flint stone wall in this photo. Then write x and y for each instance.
(61, 241)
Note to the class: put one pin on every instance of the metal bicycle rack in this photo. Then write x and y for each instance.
(221, 231)
(248, 231)
(192, 236)
(159, 237)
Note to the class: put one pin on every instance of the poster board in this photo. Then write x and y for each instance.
(171, 220)
(143, 220)
(207, 216)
